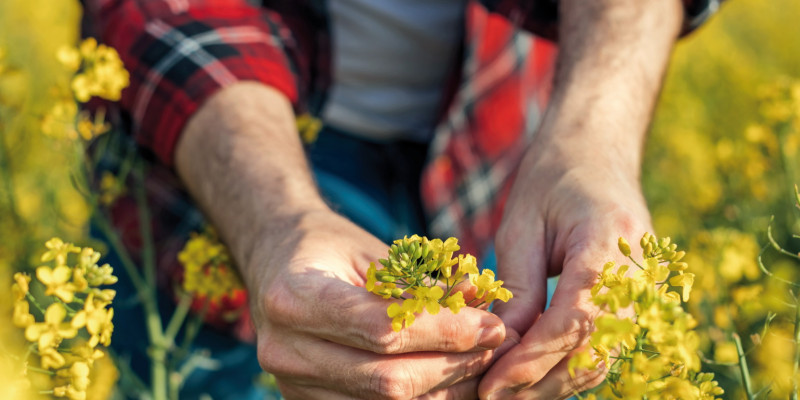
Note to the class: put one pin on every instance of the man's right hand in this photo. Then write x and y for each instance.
(319, 331)
(324, 336)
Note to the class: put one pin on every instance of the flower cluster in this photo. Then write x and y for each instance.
(77, 303)
(654, 354)
(99, 70)
(208, 267)
(425, 275)
(96, 71)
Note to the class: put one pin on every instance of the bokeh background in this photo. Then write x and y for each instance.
(721, 161)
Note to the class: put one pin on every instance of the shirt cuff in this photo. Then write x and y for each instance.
(178, 59)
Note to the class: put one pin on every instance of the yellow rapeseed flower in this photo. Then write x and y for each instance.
(48, 334)
(57, 281)
(401, 314)
(58, 250)
(455, 302)
(428, 298)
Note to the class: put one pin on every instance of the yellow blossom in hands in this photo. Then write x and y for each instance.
(371, 280)
(49, 333)
(581, 360)
(402, 314)
(455, 302)
(612, 331)
(428, 298)
(653, 271)
(467, 264)
(484, 282)
(57, 281)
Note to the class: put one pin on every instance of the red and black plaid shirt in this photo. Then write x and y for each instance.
(179, 52)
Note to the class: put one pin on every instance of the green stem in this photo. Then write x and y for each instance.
(177, 319)
(158, 369)
(148, 250)
(41, 370)
(745, 371)
(148, 297)
(193, 328)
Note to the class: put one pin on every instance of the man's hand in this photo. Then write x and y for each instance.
(319, 331)
(578, 189)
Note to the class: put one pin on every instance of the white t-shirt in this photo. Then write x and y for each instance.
(390, 64)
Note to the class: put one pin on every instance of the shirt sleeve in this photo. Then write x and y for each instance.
(541, 16)
(179, 52)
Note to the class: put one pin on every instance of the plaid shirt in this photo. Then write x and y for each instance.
(179, 52)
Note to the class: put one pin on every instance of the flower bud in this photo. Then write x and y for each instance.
(624, 247)
(644, 240)
(397, 293)
(678, 256)
(664, 242)
(677, 266)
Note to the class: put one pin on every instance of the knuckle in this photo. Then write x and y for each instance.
(277, 304)
(451, 337)
(267, 352)
(583, 381)
(392, 382)
(383, 340)
(573, 330)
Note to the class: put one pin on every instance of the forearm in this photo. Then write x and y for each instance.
(242, 161)
(613, 54)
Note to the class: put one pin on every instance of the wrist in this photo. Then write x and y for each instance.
(242, 161)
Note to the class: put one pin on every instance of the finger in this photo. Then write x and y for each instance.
(300, 392)
(351, 316)
(523, 270)
(466, 390)
(563, 327)
(304, 361)
(559, 384)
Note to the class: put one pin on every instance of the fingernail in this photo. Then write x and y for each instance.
(501, 394)
(490, 337)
